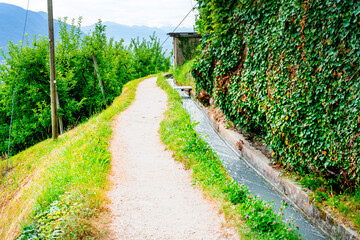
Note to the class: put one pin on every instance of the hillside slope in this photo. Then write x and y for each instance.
(61, 184)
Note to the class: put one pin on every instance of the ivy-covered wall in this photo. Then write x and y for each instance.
(288, 70)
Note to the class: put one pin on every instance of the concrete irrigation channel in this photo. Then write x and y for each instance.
(243, 173)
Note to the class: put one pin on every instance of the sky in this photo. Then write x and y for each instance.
(152, 13)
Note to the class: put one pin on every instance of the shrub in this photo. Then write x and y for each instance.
(83, 90)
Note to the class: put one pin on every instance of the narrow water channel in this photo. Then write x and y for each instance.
(242, 173)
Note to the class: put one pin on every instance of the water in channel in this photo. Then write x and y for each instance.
(242, 173)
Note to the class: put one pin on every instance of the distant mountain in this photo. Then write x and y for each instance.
(12, 20)
(119, 31)
(12, 25)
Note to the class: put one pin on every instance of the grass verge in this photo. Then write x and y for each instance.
(254, 217)
(61, 184)
(343, 205)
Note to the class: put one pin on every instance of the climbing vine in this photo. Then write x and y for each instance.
(288, 71)
(188, 47)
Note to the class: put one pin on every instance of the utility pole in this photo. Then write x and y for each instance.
(54, 117)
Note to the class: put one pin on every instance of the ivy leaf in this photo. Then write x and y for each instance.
(357, 11)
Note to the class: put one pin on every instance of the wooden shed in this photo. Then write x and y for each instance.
(184, 45)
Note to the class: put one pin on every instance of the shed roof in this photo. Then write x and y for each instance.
(185, 34)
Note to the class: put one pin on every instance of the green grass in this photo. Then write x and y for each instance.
(183, 75)
(61, 184)
(254, 218)
(344, 204)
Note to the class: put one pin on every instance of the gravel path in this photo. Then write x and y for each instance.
(152, 196)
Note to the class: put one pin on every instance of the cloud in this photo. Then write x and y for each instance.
(154, 13)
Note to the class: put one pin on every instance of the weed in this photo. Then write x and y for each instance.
(347, 204)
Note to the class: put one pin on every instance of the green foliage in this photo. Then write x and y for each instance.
(347, 204)
(289, 72)
(53, 223)
(188, 47)
(78, 83)
(148, 57)
(73, 186)
(182, 75)
(313, 182)
(177, 132)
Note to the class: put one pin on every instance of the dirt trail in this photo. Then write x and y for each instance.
(152, 196)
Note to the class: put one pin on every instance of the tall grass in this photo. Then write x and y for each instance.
(183, 75)
(67, 180)
(254, 218)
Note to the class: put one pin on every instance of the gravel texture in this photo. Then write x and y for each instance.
(151, 194)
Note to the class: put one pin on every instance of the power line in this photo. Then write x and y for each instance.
(14, 93)
(192, 9)
(26, 17)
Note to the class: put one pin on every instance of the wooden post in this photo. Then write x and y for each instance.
(98, 75)
(61, 125)
(54, 117)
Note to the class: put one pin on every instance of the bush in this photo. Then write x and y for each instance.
(83, 90)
